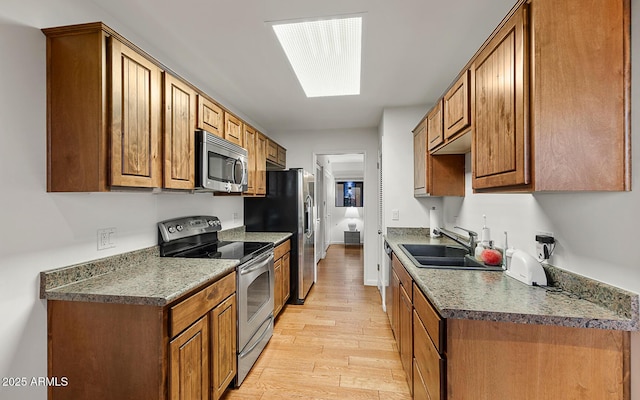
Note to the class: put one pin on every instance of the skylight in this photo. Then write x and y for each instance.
(324, 54)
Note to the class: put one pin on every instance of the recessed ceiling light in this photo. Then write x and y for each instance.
(324, 54)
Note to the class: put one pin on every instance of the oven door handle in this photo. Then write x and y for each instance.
(257, 342)
(256, 264)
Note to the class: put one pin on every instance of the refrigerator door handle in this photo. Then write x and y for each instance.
(308, 214)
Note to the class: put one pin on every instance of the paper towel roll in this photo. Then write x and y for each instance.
(435, 221)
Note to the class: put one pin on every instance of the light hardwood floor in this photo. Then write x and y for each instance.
(338, 345)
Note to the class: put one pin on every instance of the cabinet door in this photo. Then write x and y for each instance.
(434, 126)
(277, 286)
(501, 137)
(286, 277)
(250, 145)
(232, 128)
(189, 363)
(135, 118)
(179, 136)
(457, 113)
(395, 305)
(261, 164)
(272, 151)
(282, 157)
(419, 387)
(223, 346)
(420, 159)
(406, 335)
(210, 116)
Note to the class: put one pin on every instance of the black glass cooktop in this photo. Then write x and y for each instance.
(242, 251)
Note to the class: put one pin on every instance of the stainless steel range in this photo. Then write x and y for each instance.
(197, 237)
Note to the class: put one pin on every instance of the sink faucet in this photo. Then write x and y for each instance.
(470, 245)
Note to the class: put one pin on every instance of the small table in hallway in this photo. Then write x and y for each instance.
(352, 237)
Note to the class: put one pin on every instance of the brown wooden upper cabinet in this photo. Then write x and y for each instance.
(457, 109)
(552, 99)
(276, 155)
(419, 159)
(210, 116)
(272, 151)
(250, 144)
(282, 156)
(434, 126)
(501, 137)
(435, 175)
(135, 118)
(233, 128)
(261, 164)
(91, 144)
(179, 137)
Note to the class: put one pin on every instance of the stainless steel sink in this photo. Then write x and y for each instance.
(444, 257)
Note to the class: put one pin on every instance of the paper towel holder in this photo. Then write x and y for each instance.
(434, 224)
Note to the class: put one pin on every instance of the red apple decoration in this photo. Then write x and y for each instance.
(491, 257)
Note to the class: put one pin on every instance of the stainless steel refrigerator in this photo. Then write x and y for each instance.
(288, 207)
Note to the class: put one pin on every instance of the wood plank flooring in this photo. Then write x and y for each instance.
(338, 345)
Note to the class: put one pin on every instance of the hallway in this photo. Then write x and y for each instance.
(338, 345)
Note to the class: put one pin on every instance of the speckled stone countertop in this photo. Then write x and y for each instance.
(239, 234)
(142, 277)
(493, 296)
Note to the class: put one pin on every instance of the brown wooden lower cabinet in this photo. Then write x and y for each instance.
(282, 275)
(402, 304)
(189, 362)
(459, 359)
(501, 360)
(183, 351)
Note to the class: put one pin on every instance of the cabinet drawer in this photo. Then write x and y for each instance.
(433, 324)
(281, 249)
(429, 362)
(403, 275)
(186, 312)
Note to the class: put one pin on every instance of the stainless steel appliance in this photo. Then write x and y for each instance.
(197, 237)
(288, 207)
(220, 165)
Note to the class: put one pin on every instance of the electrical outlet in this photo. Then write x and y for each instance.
(395, 214)
(545, 242)
(106, 238)
(235, 217)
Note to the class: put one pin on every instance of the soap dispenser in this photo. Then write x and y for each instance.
(485, 237)
(485, 240)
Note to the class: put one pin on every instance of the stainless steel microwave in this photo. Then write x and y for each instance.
(221, 166)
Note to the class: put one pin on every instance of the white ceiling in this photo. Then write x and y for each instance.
(412, 50)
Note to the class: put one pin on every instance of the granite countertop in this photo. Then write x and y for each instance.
(240, 235)
(493, 296)
(142, 277)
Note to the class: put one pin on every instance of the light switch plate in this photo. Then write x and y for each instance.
(395, 214)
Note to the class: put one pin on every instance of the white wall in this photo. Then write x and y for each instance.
(43, 230)
(396, 139)
(301, 146)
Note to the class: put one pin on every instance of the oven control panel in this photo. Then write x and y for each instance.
(179, 228)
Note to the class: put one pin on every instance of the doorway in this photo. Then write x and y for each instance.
(340, 200)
